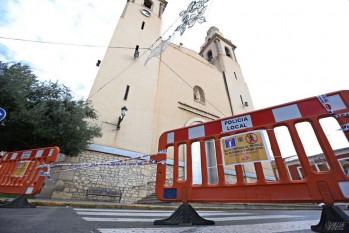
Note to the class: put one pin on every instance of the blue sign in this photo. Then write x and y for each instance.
(230, 143)
(170, 193)
(2, 114)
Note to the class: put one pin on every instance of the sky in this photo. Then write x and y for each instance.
(287, 49)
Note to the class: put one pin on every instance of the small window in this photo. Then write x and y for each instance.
(199, 95)
(209, 56)
(227, 51)
(126, 92)
(345, 165)
(148, 4)
(232, 49)
(300, 173)
(143, 25)
(161, 10)
(322, 167)
(235, 76)
(136, 54)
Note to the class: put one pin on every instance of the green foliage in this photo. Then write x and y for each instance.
(42, 114)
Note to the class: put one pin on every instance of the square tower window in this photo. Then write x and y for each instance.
(227, 51)
(148, 3)
(209, 56)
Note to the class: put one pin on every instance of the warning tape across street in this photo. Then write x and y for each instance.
(123, 162)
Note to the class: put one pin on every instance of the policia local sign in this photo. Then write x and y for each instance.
(244, 148)
(236, 123)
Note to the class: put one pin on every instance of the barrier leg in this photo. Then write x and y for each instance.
(333, 219)
(184, 214)
(19, 202)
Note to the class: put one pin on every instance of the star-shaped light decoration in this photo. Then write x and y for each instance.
(194, 13)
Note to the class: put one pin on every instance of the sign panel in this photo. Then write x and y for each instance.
(244, 148)
(21, 168)
(2, 114)
(236, 123)
(26, 154)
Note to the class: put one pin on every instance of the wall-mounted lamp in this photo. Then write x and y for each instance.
(98, 63)
(121, 117)
(244, 104)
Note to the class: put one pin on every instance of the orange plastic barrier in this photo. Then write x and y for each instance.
(19, 171)
(317, 186)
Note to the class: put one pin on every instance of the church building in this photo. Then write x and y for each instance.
(179, 88)
(137, 102)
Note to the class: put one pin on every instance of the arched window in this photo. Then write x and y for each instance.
(199, 95)
(209, 56)
(148, 3)
(227, 51)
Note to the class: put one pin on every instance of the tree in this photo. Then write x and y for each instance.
(42, 114)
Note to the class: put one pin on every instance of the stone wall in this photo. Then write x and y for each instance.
(132, 181)
(135, 182)
(51, 184)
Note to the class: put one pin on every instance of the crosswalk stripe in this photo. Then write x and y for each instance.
(153, 214)
(217, 219)
(128, 211)
(250, 228)
(142, 211)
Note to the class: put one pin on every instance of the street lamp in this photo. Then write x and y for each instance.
(123, 113)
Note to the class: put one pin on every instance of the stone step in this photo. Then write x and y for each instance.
(150, 199)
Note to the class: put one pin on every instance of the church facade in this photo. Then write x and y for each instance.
(178, 88)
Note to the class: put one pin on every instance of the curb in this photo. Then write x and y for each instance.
(173, 206)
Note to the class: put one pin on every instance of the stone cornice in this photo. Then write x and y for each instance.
(197, 111)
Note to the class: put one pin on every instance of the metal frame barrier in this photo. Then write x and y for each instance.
(24, 172)
(326, 186)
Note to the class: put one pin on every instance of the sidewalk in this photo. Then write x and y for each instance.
(173, 206)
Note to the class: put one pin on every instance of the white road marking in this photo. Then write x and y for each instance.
(142, 211)
(152, 214)
(126, 210)
(96, 219)
(278, 227)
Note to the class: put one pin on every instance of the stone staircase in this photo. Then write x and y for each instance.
(151, 199)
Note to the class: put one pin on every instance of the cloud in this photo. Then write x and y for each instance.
(78, 22)
(5, 53)
(3, 12)
(290, 45)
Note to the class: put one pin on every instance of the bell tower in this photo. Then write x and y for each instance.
(220, 52)
(123, 82)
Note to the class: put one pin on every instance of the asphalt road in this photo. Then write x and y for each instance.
(67, 219)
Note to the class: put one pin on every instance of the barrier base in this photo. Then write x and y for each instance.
(333, 219)
(19, 202)
(184, 214)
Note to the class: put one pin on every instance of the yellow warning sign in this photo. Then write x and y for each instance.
(244, 148)
(21, 168)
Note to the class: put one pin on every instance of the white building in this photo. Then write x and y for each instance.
(179, 88)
